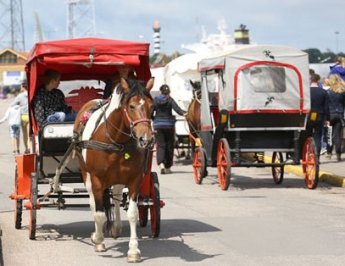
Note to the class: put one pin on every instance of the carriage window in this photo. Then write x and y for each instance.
(266, 78)
(212, 87)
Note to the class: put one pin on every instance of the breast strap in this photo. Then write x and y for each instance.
(107, 147)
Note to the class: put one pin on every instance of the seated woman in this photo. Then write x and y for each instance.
(49, 102)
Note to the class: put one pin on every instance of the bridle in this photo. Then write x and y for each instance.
(132, 124)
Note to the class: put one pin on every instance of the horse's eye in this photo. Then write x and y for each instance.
(131, 106)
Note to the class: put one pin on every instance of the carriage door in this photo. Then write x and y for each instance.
(207, 123)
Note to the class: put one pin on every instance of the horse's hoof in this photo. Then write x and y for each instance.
(99, 247)
(133, 258)
(116, 232)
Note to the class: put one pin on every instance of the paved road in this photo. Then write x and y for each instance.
(253, 223)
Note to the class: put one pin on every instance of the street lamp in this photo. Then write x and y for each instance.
(336, 41)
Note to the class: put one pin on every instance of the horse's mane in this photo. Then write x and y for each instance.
(135, 89)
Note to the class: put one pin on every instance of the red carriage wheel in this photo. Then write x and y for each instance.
(277, 171)
(199, 165)
(310, 163)
(155, 209)
(18, 210)
(33, 211)
(223, 164)
(143, 215)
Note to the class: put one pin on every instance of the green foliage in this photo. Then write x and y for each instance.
(162, 59)
(316, 56)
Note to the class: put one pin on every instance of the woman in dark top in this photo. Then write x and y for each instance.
(336, 95)
(164, 125)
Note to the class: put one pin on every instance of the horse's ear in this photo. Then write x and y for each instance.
(149, 84)
(124, 85)
(191, 83)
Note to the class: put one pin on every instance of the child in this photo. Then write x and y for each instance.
(13, 115)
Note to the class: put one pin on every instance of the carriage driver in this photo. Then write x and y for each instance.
(49, 102)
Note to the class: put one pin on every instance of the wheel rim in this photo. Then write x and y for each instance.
(223, 165)
(18, 209)
(310, 164)
(18, 214)
(277, 172)
(143, 215)
(198, 166)
(155, 208)
(32, 212)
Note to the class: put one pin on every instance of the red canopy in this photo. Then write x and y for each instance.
(86, 58)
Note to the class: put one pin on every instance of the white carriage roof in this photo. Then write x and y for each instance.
(247, 53)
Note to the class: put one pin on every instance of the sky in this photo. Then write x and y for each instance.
(298, 23)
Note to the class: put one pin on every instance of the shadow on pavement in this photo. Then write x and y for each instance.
(170, 243)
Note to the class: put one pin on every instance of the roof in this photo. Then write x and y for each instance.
(248, 53)
(75, 57)
(23, 55)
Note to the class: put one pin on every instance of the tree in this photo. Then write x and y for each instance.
(314, 55)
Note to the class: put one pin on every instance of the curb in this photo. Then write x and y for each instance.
(329, 178)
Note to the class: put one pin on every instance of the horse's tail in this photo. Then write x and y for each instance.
(108, 209)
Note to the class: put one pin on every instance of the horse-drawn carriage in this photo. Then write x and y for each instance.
(111, 139)
(255, 99)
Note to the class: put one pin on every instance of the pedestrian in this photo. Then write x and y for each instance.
(327, 129)
(319, 112)
(22, 100)
(13, 115)
(339, 67)
(49, 102)
(164, 125)
(336, 110)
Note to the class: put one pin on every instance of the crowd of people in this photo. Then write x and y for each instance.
(326, 119)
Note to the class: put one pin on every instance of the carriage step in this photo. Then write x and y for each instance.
(145, 202)
(72, 190)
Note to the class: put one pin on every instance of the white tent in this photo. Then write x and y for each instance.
(177, 75)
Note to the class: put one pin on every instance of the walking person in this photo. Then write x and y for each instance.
(336, 109)
(327, 129)
(339, 67)
(13, 115)
(22, 100)
(164, 125)
(319, 112)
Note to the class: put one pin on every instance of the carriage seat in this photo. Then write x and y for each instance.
(55, 138)
(58, 130)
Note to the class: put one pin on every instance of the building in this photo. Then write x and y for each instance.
(12, 65)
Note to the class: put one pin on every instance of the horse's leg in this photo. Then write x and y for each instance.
(133, 254)
(64, 161)
(116, 228)
(96, 205)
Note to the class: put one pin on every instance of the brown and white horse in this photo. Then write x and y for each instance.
(115, 144)
(194, 113)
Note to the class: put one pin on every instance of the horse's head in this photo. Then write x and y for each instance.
(137, 102)
(196, 89)
(194, 114)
